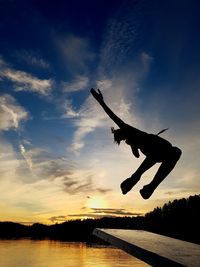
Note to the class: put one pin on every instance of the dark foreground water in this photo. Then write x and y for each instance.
(45, 253)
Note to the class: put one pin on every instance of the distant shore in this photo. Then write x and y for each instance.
(178, 219)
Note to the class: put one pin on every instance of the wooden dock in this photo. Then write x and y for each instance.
(156, 250)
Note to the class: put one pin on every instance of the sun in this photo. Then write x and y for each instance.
(96, 202)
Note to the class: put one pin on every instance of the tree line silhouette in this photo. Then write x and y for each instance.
(178, 219)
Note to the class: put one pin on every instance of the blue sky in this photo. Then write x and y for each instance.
(58, 160)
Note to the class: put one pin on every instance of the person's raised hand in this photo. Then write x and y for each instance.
(97, 95)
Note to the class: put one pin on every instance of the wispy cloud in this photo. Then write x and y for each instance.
(115, 212)
(103, 190)
(96, 213)
(44, 166)
(40, 183)
(8, 160)
(106, 212)
(74, 185)
(147, 59)
(89, 119)
(118, 81)
(59, 218)
(76, 52)
(63, 173)
(24, 81)
(24, 154)
(79, 83)
(11, 113)
(69, 111)
(27, 82)
(91, 116)
(25, 192)
(122, 37)
(32, 58)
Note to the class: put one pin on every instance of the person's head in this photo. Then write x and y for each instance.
(119, 135)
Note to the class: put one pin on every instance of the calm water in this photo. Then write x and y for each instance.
(28, 253)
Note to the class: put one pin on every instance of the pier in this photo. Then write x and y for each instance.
(154, 249)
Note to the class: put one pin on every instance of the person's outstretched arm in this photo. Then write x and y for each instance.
(99, 97)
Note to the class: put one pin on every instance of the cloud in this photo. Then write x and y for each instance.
(76, 53)
(78, 84)
(64, 173)
(35, 182)
(27, 82)
(87, 215)
(27, 159)
(107, 212)
(11, 113)
(8, 160)
(2, 63)
(115, 212)
(32, 58)
(69, 111)
(12, 189)
(24, 81)
(43, 165)
(26, 194)
(103, 190)
(74, 185)
(60, 218)
(118, 80)
(122, 37)
(146, 61)
(91, 117)
(88, 118)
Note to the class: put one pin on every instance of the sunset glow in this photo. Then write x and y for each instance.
(58, 160)
(96, 202)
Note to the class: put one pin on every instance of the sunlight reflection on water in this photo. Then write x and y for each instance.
(29, 253)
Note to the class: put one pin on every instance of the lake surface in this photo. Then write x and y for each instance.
(46, 253)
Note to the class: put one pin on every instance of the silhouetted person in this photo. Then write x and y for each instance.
(155, 148)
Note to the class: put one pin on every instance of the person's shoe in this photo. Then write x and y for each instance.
(147, 191)
(128, 184)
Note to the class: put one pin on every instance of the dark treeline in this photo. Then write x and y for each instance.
(177, 219)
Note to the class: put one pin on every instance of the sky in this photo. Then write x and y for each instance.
(58, 160)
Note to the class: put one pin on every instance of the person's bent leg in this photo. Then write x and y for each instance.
(128, 184)
(165, 168)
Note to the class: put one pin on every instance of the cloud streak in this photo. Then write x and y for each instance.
(32, 58)
(66, 175)
(27, 159)
(88, 120)
(69, 111)
(76, 52)
(122, 37)
(96, 213)
(74, 185)
(24, 81)
(118, 81)
(108, 212)
(11, 113)
(115, 212)
(59, 218)
(91, 117)
(79, 83)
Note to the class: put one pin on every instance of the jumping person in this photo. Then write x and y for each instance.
(155, 148)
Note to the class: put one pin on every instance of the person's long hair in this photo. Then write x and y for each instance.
(118, 135)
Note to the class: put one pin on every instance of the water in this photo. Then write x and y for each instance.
(45, 253)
